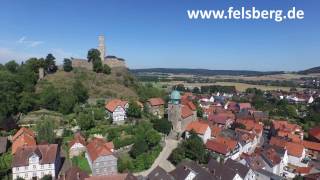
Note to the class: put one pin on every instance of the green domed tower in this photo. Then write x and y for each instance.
(175, 97)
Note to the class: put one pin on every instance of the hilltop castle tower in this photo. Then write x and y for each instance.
(102, 48)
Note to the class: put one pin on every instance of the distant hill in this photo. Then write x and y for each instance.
(205, 72)
(310, 71)
(117, 84)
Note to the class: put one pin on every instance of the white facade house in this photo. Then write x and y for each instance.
(296, 154)
(101, 158)
(36, 162)
(116, 109)
(202, 129)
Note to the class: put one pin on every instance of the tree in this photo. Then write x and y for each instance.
(196, 90)
(80, 92)
(12, 66)
(199, 111)
(134, 110)
(45, 131)
(85, 121)
(27, 102)
(194, 148)
(46, 177)
(50, 64)
(94, 57)
(152, 138)
(106, 69)
(162, 125)
(67, 101)
(177, 156)
(49, 98)
(138, 148)
(99, 113)
(67, 65)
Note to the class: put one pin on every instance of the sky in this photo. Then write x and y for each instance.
(158, 33)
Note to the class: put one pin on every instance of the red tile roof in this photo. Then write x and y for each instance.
(156, 101)
(24, 137)
(99, 147)
(47, 153)
(315, 132)
(251, 125)
(244, 106)
(215, 130)
(186, 112)
(221, 145)
(217, 147)
(303, 170)
(220, 118)
(277, 141)
(294, 149)
(78, 138)
(198, 127)
(113, 104)
(284, 125)
(21, 131)
(311, 145)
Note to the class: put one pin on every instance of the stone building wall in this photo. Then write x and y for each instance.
(115, 63)
(81, 63)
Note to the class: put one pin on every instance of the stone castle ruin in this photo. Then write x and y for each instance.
(111, 61)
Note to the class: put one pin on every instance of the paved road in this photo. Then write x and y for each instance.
(162, 158)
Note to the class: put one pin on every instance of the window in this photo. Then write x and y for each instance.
(26, 175)
(26, 167)
(42, 166)
(34, 166)
(49, 165)
(17, 169)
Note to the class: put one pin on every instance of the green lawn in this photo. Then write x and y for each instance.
(82, 163)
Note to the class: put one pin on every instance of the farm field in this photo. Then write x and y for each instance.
(239, 86)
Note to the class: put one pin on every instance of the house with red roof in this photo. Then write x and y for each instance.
(224, 146)
(155, 106)
(24, 137)
(284, 128)
(201, 128)
(314, 134)
(34, 162)
(244, 106)
(77, 145)
(296, 154)
(116, 109)
(222, 119)
(101, 158)
(312, 148)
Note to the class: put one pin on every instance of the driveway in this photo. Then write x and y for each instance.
(161, 160)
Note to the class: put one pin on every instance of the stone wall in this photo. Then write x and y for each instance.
(81, 63)
(115, 63)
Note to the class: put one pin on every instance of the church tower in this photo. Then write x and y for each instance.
(174, 111)
(102, 48)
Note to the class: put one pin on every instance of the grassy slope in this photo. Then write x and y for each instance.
(98, 84)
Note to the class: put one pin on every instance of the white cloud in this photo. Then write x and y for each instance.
(29, 43)
(7, 54)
